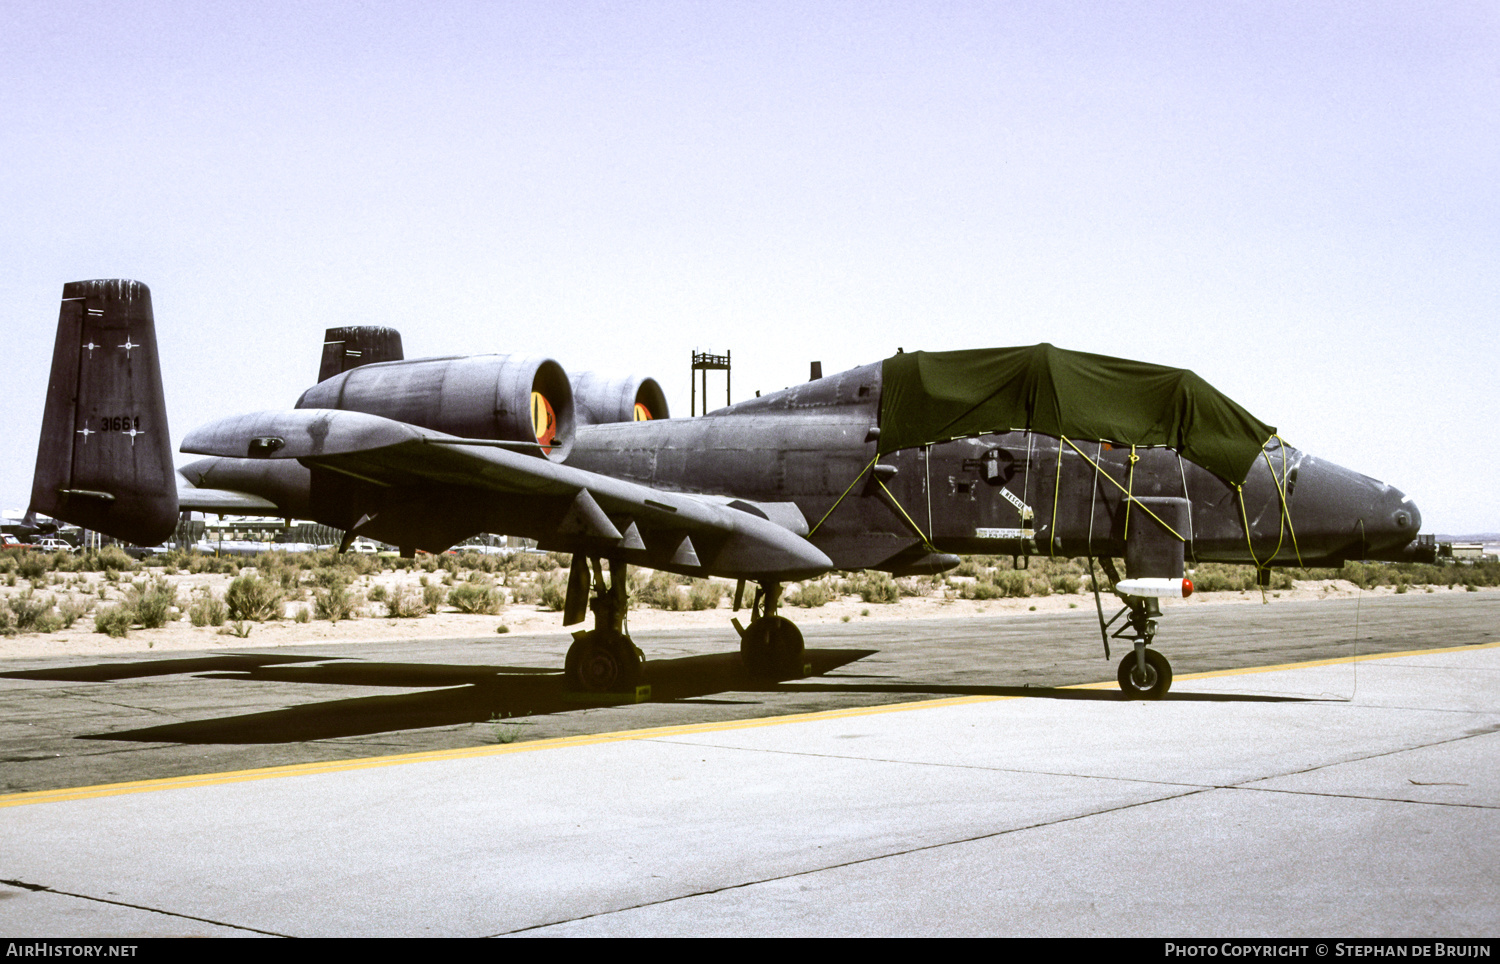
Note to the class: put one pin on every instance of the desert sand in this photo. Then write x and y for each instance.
(372, 623)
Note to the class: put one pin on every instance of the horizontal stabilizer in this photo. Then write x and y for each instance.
(225, 502)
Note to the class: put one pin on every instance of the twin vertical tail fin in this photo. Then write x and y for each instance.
(105, 457)
(346, 348)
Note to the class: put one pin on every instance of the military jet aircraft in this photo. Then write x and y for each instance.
(895, 466)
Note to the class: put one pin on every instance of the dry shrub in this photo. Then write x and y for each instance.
(249, 597)
(473, 597)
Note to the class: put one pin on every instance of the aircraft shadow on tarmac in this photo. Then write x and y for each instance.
(459, 694)
(111, 672)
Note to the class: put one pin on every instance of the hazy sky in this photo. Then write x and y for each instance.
(1298, 201)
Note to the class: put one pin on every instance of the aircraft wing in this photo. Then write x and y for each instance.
(222, 501)
(645, 526)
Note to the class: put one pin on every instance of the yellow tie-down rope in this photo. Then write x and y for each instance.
(926, 542)
(1286, 514)
(1056, 492)
(1286, 509)
(839, 501)
(1286, 527)
(1280, 481)
(1285, 523)
(1099, 470)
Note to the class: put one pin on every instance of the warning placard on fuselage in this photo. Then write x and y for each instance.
(1004, 533)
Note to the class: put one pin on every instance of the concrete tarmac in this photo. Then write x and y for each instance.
(1330, 798)
(78, 721)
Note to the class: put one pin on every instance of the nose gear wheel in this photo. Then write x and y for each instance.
(1151, 683)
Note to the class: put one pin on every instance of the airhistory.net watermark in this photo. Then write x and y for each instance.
(68, 949)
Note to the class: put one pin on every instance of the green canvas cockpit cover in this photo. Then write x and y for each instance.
(936, 396)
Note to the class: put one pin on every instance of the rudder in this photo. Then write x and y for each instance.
(104, 460)
(346, 348)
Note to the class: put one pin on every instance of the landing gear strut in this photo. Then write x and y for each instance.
(771, 646)
(601, 660)
(1144, 673)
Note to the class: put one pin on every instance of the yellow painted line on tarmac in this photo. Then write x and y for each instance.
(1110, 684)
(621, 736)
(462, 753)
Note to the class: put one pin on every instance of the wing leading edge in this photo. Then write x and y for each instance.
(559, 505)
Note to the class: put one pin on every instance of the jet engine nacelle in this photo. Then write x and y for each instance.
(600, 399)
(512, 398)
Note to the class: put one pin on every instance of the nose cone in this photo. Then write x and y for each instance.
(1349, 515)
(1395, 521)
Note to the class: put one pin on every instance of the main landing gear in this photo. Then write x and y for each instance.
(605, 660)
(601, 660)
(771, 646)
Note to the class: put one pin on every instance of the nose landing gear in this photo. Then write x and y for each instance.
(1145, 673)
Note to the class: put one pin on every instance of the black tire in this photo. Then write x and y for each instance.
(601, 662)
(1158, 677)
(772, 648)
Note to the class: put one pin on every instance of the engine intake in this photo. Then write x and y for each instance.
(601, 399)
